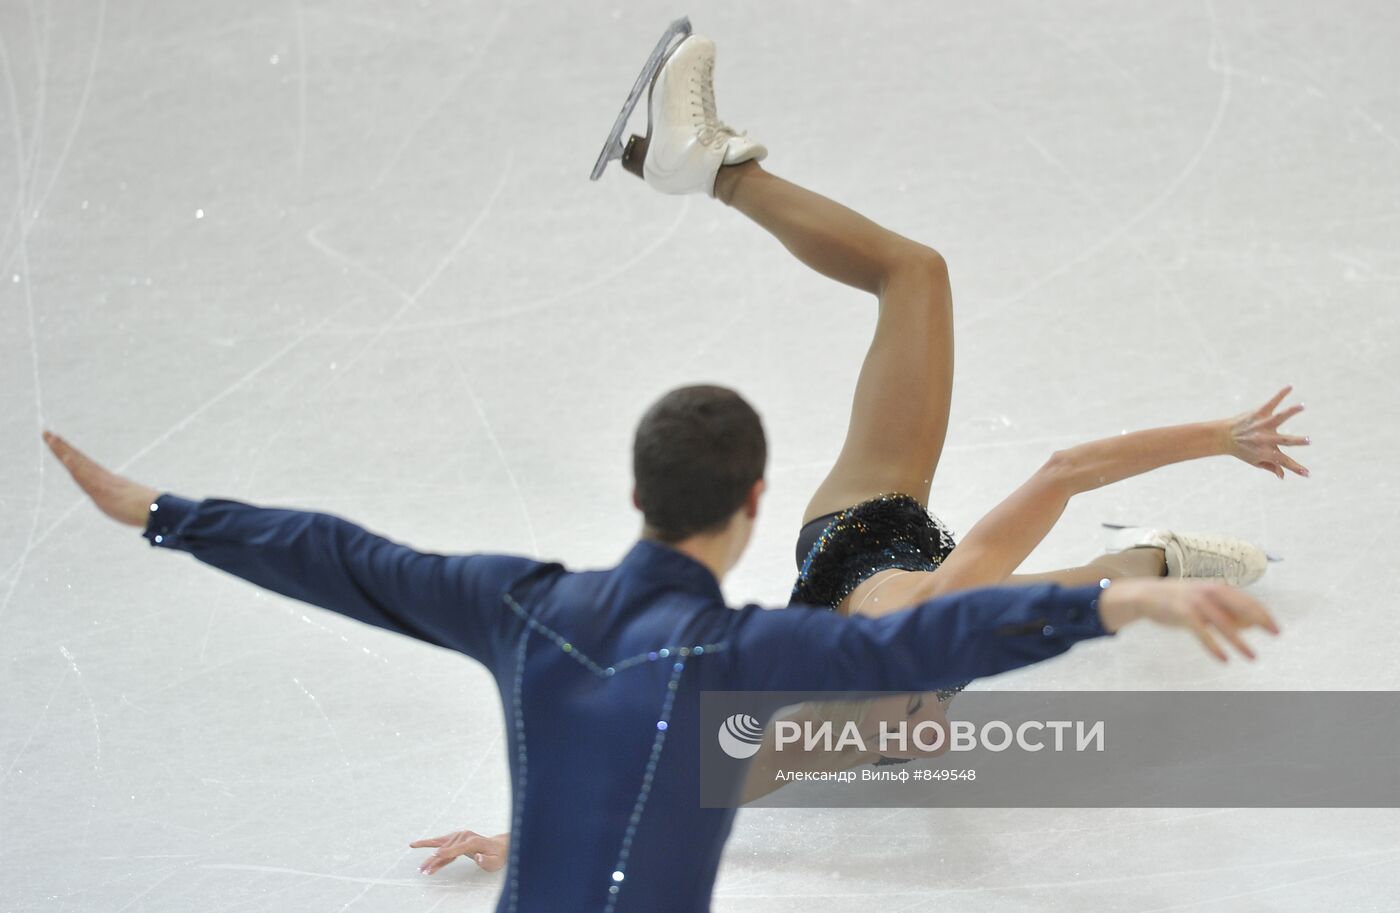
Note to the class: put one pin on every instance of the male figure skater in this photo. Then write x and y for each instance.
(601, 672)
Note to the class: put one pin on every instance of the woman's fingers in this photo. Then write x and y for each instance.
(1273, 421)
(430, 842)
(1278, 397)
(1257, 439)
(437, 861)
(489, 862)
(442, 857)
(487, 852)
(1293, 465)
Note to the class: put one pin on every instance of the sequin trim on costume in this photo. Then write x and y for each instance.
(892, 531)
(678, 655)
(521, 764)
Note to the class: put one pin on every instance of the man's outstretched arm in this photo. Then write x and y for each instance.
(451, 601)
(976, 633)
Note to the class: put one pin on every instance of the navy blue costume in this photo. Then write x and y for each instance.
(601, 672)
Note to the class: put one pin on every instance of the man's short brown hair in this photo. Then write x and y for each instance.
(697, 454)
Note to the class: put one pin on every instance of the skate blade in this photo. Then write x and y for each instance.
(1273, 559)
(613, 148)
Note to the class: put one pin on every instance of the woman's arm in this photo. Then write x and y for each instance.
(1001, 540)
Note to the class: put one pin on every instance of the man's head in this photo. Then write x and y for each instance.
(698, 461)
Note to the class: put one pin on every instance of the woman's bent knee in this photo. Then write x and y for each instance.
(920, 269)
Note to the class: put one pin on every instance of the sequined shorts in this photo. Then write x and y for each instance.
(839, 552)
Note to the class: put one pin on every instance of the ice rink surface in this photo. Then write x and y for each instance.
(345, 256)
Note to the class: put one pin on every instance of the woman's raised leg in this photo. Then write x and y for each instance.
(899, 416)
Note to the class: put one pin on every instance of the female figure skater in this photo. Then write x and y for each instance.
(868, 544)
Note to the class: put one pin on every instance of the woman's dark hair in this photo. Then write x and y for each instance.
(697, 453)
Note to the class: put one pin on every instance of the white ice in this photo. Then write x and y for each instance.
(344, 255)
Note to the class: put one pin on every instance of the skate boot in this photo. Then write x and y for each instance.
(686, 142)
(675, 33)
(1199, 556)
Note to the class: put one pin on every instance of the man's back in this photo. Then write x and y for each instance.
(601, 674)
(601, 690)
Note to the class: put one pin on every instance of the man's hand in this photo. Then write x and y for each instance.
(487, 852)
(116, 496)
(1205, 608)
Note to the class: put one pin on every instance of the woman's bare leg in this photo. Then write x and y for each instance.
(899, 417)
(1135, 562)
(893, 590)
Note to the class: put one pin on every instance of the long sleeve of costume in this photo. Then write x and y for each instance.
(453, 601)
(937, 644)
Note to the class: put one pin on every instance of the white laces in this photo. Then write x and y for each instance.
(714, 131)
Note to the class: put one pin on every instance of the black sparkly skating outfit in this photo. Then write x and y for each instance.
(838, 552)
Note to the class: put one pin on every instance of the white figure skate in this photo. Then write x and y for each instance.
(1198, 556)
(686, 142)
(677, 32)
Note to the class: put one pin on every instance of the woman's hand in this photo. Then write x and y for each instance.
(487, 852)
(1255, 437)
